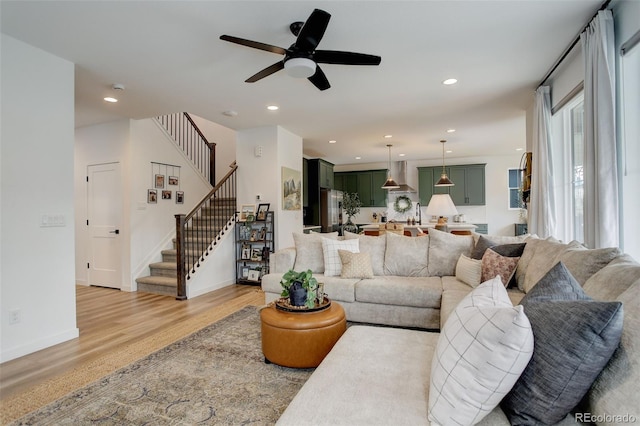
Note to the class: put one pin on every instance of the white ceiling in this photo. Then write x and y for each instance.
(169, 57)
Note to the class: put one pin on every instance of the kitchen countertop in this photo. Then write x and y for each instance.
(452, 225)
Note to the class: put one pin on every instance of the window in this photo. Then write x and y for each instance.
(568, 169)
(515, 185)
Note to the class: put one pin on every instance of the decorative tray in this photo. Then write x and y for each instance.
(282, 304)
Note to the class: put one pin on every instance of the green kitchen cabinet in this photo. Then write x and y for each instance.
(469, 180)
(367, 184)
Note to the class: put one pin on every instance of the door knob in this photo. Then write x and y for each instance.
(117, 231)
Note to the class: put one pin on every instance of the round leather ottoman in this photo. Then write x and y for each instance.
(300, 339)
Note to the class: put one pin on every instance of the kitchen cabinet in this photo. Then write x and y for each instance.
(367, 184)
(469, 188)
(319, 176)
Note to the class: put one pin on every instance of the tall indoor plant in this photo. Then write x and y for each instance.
(351, 204)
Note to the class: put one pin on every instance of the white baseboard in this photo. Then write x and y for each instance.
(17, 352)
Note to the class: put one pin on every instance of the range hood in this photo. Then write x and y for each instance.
(399, 173)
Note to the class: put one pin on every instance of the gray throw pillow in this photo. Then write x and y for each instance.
(574, 338)
(508, 250)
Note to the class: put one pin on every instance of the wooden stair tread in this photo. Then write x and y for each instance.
(163, 265)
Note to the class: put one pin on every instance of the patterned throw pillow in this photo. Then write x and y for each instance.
(355, 265)
(483, 348)
(575, 337)
(332, 263)
(495, 264)
(469, 271)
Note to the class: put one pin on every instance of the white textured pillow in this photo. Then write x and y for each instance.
(332, 263)
(482, 350)
(469, 271)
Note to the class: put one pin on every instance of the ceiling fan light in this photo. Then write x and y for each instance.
(300, 67)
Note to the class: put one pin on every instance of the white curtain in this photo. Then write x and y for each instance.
(542, 219)
(601, 217)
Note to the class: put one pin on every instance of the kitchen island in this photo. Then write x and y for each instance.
(455, 227)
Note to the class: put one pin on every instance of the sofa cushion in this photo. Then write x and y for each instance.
(332, 263)
(493, 264)
(445, 250)
(422, 292)
(483, 348)
(355, 265)
(406, 256)
(583, 262)
(574, 338)
(339, 289)
(616, 390)
(614, 279)
(375, 246)
(469, 271)
(543, 259)
(502, 239)
(309, 251)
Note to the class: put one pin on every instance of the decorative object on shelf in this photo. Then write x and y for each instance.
(444, 179)
(351, 204)
(402, 204)
(299, 287)
(390, 183)
(441, 205)
(262, 211)
(248, 212)
(254, 243)
(254, 275)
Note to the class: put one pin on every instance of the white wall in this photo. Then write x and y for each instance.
(147, 228)
(262, 175)
(36, 169)
(495, 212)
(627, 22)
(100, 144)
(225, 140)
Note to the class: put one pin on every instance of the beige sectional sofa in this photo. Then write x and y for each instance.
(382, 375)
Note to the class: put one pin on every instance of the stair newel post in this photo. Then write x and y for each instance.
(212, 163)
(180, 253)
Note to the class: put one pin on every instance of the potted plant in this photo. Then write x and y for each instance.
(299, 287)
(351, 204)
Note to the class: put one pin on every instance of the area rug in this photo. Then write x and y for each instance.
(216, 375)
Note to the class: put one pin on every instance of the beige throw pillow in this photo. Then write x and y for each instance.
(445, 250)
(469, 271)
(406, 256)
(355, 265)
(332, 263)
(373, 245)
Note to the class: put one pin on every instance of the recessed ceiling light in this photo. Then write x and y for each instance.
(388, 136)
(230, 113)
(451, 130)
(332, 141)
(401, 155)
(358, 158)
(519, 149)
(273, 107)
(448, 151)
(110, 99)
(450, 81)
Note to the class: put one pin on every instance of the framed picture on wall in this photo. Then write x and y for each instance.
(179, 197)
(173, 180)
(159, 181)
(166, 195)
(152, 196)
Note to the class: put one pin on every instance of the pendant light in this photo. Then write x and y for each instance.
(390, 183)
(444, 179)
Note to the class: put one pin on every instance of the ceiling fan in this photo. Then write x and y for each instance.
(301, 59)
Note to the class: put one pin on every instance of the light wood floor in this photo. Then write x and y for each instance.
(109, 320)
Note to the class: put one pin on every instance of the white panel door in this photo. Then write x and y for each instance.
(104, 222)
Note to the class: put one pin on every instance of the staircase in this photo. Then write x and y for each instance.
(198, 234)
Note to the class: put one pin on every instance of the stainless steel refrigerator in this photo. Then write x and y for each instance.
(331, 210)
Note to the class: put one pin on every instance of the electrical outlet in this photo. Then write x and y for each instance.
(14, 316)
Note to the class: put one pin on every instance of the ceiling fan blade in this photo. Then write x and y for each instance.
(345, 58)
(266, 72)
(254, 44)
(319, 79)
(313, 30)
